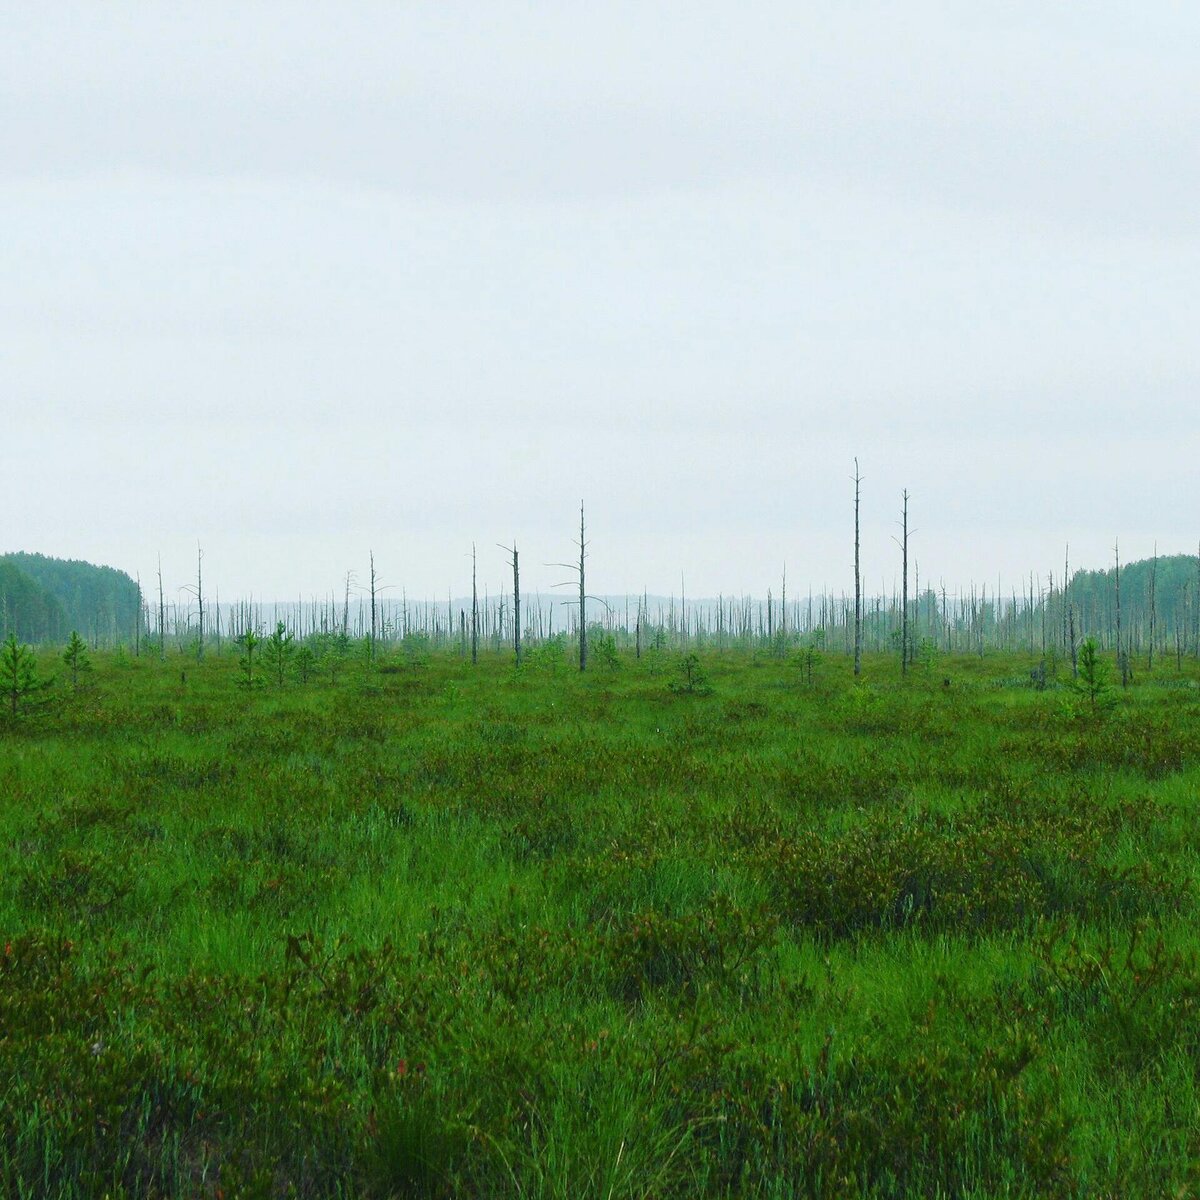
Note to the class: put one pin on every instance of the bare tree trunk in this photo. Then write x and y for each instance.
(783, 605)
(516, 604)
(915, 639)
(683, 618)
(514, 562)
(857, 578)
(474, 611)
(1044, 602)
(371, 643)
(162, 617)
(200, 601)
(583, 647)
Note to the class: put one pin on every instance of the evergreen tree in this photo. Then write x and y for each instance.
(1092, 682)
(278, 650)
(306, 663)
(18, 673)
(76, 658)
(249, 642)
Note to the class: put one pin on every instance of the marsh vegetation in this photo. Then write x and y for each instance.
(734, 925)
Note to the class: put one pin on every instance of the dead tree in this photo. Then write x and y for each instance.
(783, 605)
(200, 602)
(579, 568)
(162, 617)
(371, 643)
(903, 541)
(198, 591)
(346, 606)
(582, 594)
(858, 614)
(474, 611)
(511, 551)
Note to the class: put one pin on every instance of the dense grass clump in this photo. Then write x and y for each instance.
(725, 927)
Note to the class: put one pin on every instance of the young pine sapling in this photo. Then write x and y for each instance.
(278, 650)
(18, 673)
(306, 663)
(1092, 683)
(75, 656)
(249, 642)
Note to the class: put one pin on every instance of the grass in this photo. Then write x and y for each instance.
(443, 931)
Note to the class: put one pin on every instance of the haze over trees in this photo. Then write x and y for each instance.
(1140, 611)
(27, 610)
(43, 598)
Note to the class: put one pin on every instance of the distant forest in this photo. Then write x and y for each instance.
(1153, 609)
(42, 599)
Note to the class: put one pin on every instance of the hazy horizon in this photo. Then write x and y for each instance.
(299, 281)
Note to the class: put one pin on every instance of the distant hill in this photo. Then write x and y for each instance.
(43, 599)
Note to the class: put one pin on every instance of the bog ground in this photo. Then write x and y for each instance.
(756, 929)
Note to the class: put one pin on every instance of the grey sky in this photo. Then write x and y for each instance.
(299, 280)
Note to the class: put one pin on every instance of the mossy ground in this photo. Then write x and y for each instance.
(452, 931)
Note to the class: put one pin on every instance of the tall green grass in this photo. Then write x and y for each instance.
(443, 931)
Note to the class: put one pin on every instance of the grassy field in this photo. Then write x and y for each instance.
(442, 931)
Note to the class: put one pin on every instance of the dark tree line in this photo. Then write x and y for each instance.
(27, 610)
(42, 599)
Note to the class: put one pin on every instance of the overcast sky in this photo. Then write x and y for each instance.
(299, 281)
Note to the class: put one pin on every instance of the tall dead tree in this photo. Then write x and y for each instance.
(199, 602)
(916, 621)
(783, 605)
(474, 611)
(904, 655)
(582, 594)
(197, 590)
(511, 551)
(858, 614)
(579, 568)
(371, 643)
(162, 616)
